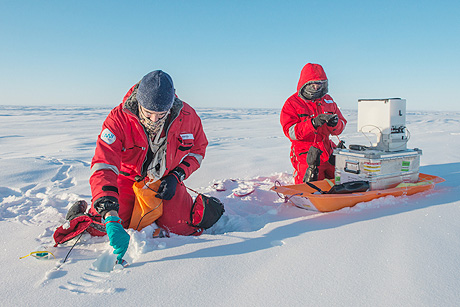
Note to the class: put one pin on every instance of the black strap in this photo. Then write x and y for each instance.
(311, 185)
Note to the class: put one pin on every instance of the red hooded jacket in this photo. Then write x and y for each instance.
(296, 116)
(122, 146)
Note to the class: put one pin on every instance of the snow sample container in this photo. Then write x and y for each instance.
(382, 169)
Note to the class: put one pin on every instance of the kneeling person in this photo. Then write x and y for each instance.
(151, 134)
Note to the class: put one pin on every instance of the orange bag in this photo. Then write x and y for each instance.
(147, 208)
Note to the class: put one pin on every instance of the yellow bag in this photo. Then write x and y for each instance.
(147, 208)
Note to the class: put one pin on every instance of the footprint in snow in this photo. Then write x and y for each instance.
(62, 177)
(93, 282)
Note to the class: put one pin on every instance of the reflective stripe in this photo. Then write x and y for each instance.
(292, 132)
(100, 166)
(198, 157)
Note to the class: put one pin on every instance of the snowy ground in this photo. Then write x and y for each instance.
(392, 251)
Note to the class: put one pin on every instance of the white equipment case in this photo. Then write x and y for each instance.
(382, 169)
(387, 119)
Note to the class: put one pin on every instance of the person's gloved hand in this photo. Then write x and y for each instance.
(167, 187)
(320, 120)
(333, 121)
(119, 238)
(168, 184)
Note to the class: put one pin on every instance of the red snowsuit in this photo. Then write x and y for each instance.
(121, 155)
(296, 116)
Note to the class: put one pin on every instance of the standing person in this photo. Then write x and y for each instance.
(151, 134)
(308, 118)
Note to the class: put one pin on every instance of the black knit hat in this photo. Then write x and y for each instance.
(156, 91)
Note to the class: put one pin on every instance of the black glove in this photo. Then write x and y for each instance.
(321, 119)
(106, 204)
(169, 183)
(313, 161)
(311, 174)
(314, 156)
(333, 121)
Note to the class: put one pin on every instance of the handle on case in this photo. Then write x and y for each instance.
(351, 167)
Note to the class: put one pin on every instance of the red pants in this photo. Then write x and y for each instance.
(176, 211)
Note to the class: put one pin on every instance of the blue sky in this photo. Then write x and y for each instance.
(230, 53)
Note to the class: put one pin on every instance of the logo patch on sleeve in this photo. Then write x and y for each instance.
(107, 136)
(328, 100)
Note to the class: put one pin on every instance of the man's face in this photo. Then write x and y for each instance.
(153, 116)
(314, 89)
(316, 86)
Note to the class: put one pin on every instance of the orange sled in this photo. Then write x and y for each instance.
(307, 197)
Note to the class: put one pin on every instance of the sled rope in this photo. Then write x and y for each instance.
(285, 198)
